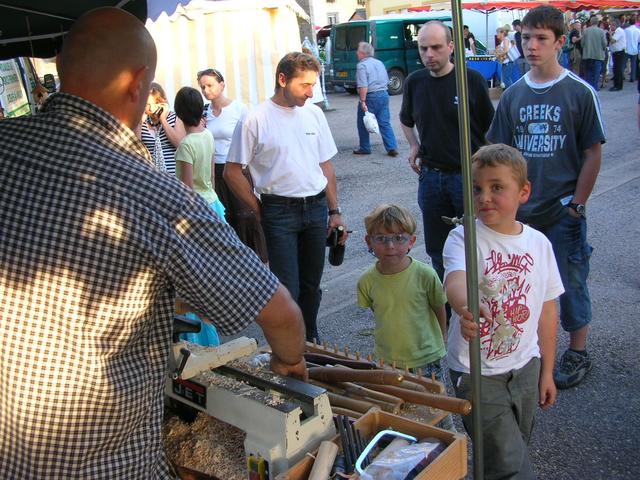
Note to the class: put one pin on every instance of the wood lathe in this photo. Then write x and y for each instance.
(283, 418)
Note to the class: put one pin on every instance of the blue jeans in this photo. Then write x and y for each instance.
(439, 193)
(522, 65)
(378, 104)
(435, 369)
(568, 237)
(296, 235)
(592, 70)
(507, 74)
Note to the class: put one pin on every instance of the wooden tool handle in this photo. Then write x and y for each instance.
(355, 389)
(324, 461)
(421, 384)
(334, 374)
(321, 359)
(386, 402)
(443, 402)
(349, 403)
(346, 412)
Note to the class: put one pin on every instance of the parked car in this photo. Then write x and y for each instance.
(394, 38)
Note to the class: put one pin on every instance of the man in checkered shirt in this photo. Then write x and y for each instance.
(95, 245)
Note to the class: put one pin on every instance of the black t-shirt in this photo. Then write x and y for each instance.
(518, 38)
(431, 104)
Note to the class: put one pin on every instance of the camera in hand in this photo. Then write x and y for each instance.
(336, 250)
(154, 118)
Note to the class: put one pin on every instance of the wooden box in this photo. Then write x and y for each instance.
(449, 465)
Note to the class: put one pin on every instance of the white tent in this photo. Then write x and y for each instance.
(243, 40)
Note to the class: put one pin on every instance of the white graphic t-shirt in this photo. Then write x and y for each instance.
(516, 275)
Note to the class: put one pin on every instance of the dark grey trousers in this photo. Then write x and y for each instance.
(509, 403)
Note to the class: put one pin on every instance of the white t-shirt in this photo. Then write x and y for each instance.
(283, 148)
(632, 37)
(516, 275)
(618, 40)
(223, 125)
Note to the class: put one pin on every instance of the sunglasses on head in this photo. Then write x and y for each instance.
(212, 72)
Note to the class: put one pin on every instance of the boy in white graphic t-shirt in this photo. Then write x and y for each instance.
(518, 283)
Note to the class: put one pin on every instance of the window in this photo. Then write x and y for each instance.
(332, 18)
(411, 34)
(388, 35)
(348, 37)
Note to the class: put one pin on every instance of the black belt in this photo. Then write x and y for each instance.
(270, 198)
(442, 169)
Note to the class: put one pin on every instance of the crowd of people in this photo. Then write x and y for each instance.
(227, 211)
(530, 192)
(603, 48)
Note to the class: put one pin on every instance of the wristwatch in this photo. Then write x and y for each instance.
(335, 211)
(579, 208)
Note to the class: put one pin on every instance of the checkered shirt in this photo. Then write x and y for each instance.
(95, 243)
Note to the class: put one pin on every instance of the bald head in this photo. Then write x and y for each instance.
(437, 25)
(109, 58)
(435, 48)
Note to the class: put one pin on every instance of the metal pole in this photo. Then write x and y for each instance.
(324, 91)
(486, 32)
(469, 231)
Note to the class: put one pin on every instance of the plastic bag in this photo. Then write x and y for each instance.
(371, 123)
(513, 54)
(405, 462)
(207, 336)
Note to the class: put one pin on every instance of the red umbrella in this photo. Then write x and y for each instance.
(574, 5)
(593, 4)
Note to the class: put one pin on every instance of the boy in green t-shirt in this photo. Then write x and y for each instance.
(405, 295)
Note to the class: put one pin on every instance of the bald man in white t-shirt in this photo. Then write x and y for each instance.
(287, 145)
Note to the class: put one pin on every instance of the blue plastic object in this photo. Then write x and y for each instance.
(207, 336)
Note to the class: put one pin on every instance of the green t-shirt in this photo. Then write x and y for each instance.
(197, 149)
(407, 330)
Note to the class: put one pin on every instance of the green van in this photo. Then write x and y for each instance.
(395, 40)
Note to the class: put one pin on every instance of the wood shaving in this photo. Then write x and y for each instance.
(257, 366)
(207, 445)
(228, 383)
(198, 349)
(422, 413)
(240, 388)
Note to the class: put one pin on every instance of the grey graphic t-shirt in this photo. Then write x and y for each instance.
(552, 124)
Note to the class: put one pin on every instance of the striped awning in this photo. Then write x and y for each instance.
(243, 40)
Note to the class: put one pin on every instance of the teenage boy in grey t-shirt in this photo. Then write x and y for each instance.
(553, 117)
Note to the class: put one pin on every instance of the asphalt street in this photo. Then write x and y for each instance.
(593, 430)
